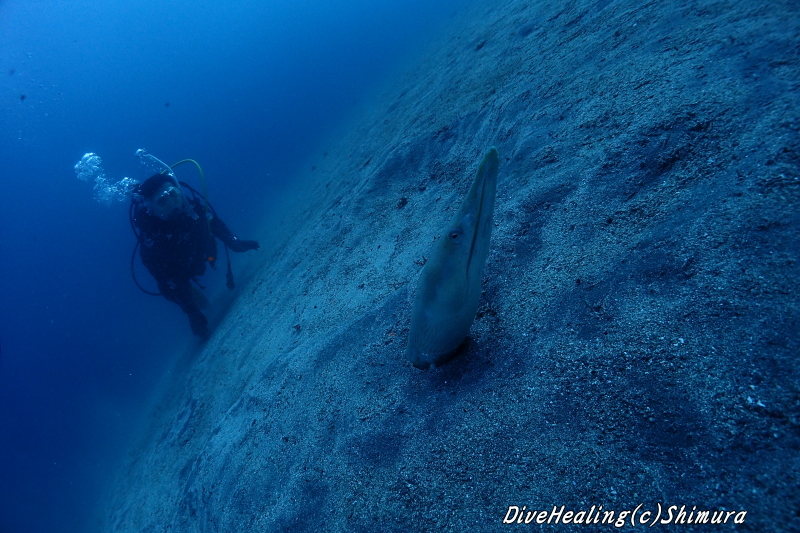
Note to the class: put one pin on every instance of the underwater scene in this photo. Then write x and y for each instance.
(399, 266)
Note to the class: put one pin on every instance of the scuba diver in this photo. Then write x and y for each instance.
(176, 236)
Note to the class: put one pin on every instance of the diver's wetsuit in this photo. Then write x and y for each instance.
(176, 250)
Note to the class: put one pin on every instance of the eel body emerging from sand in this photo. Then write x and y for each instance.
(450, 283)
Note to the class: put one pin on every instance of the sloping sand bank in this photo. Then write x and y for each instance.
(637, 341)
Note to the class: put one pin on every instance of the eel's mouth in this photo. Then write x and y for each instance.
(484, 202)
(478, 224)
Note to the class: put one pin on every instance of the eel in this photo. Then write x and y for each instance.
(450, 283)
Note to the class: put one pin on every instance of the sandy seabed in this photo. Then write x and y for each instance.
(637, 342)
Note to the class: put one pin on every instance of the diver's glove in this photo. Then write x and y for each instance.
(238, 245)
(198, 322)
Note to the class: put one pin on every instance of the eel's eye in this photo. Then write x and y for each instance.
(455, 235)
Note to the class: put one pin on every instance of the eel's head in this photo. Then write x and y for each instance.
(450, 284)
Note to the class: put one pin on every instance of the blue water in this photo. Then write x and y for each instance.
(249, 91)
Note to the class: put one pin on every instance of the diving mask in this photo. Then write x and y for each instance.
(166, 201)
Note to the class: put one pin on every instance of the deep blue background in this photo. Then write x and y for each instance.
(252, 90)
